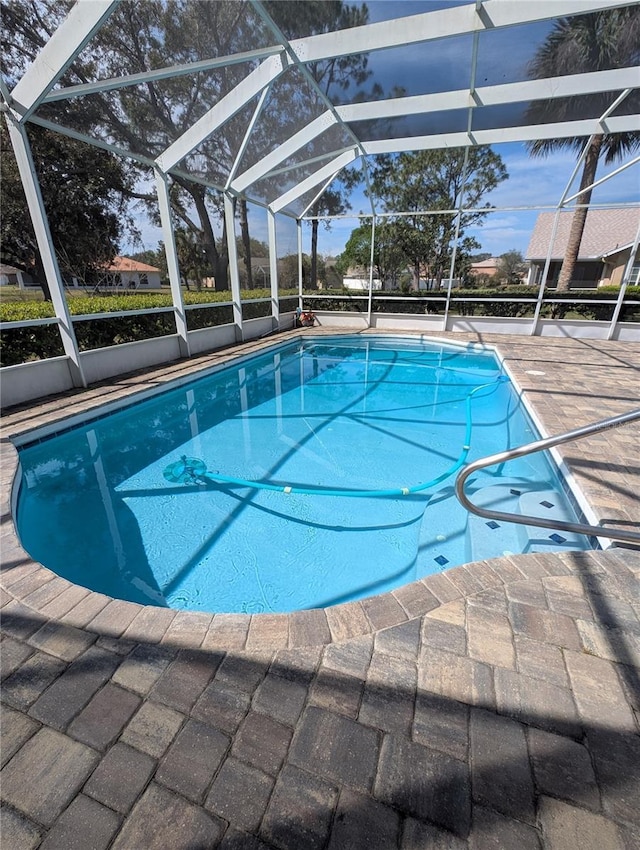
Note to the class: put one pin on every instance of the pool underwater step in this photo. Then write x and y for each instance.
(483, 539)
(490, 538)
(552, 504)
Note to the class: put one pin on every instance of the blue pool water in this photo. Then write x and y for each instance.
(105, 505)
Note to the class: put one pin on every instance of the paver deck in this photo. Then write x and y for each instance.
(494, 705)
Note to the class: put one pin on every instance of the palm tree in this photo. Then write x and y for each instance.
(598, 41)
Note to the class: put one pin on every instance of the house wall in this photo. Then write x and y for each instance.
(361, 284)
(14, 277)
(614, 268)
(587, 273)
(140, 280)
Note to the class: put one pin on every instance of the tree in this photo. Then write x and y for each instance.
(434, 180)
(288, 270)
(511, 267)
(598, 41)
(148, 118)
(331, 202)
(299, 18)
(84, 191)
(388, 258)
(192, 256)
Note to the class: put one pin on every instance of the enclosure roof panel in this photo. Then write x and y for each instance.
(247, 94)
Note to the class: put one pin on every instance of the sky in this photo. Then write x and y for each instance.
(442, 65)
(531, 182)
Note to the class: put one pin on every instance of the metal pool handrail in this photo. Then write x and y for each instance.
(537, 446)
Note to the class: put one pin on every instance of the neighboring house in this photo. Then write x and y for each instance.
(361, 284)
(11, 276)
(604, 251)
(357, 280)
(131, 274)
(122, 273)
(260, 273)
(489, 267)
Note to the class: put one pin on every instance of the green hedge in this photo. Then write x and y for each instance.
(501, 303)
(19, 345)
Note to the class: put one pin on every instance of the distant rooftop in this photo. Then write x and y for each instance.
(605, 232)
(124, 264)
(491, 263)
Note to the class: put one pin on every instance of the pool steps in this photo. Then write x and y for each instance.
(484, 539)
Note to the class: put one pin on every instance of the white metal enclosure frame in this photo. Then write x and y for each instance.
(325, 144)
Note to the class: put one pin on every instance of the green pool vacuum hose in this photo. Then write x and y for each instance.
(190, 470)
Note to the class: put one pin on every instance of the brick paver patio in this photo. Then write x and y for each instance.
(490, 706)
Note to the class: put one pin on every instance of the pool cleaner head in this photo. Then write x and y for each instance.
(187, 470)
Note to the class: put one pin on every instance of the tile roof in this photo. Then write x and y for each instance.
(124, 264)
(492, 263)
(604, 231)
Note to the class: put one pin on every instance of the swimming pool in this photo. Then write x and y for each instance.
(139, 504)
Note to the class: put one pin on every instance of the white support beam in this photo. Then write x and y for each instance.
(428, 26)
(5, 95)
(603, 179)
(90, 140)
(234, 271)
(318, 194)
(173, 267)
(329, 171)
(224, 110)
(312, 160)
(273, 269)
(544, 89)
(27, 170)
(372, 252)
(454, 248)
(299, 233)
(294, 143)
(157, 74)
(497, 135)
(247, 136)
(82, 22)
(626, 281)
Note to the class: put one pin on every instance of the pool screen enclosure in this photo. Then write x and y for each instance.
(272, 104)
